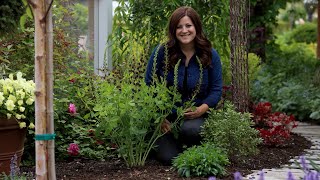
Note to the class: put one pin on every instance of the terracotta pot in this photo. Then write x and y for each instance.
(11, 142)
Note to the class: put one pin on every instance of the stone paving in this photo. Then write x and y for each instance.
(311, 132)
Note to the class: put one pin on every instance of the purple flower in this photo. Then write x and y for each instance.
(14, 169)
(304, 164)
(311, 176)
(261, 175)
(237, 176)
(73, 149)
(212, 178)
(72, 109)
(290, 176)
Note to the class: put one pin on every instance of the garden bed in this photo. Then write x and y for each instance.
(85, 169)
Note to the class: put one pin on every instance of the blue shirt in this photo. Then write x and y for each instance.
(188, 78)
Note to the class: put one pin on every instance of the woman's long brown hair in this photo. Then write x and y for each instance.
(202, 44)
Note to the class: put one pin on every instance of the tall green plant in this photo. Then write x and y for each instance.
(131, 116)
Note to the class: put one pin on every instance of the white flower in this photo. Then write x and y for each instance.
(20, 102)
(9, 115)
(22, 109)
(31, 126)
(11, 76)
(21, 93)
(29, 101)
(16, 97)
(22, 125)
(18, 116)
(19, 75)
(1, 98)
(10, 105)
(12, 98)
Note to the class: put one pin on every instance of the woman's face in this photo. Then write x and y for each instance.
(185, 32)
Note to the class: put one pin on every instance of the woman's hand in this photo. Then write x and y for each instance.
(166, 126)
(198, 112)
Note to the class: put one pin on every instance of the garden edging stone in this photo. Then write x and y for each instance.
(312, 133)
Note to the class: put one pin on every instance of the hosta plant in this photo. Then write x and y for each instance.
(204, 160)
(17, 100)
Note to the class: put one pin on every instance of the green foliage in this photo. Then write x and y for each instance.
(204, 160)
(254, 65)
(16, 177)
(130, 115)
(287, 80)
(10, 13)
(17, 53)
(75, 82)
(304, 33)
(231, 130)
(292, 12)
(71, 17)
(263, 18)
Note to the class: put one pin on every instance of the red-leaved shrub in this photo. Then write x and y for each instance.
(275, 127)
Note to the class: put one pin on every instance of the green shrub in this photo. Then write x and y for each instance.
(231, 131)
(254, 65)
(10, 13)
(304, 33)
(204, 160)
(17, 53)
(289, 80)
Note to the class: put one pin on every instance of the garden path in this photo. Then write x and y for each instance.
(311, 132)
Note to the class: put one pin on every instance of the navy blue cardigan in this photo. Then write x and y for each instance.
(188, 78)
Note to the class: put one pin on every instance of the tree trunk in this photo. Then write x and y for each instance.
(318, 31)
(49, 91)
(42, 89)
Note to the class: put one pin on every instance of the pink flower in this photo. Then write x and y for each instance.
(72, 109)
(73, 149)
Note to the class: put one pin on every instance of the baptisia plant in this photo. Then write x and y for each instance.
(17, 100)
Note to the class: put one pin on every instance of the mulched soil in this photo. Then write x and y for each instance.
(115, 169)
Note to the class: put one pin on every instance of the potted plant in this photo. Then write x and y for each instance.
(16, 114)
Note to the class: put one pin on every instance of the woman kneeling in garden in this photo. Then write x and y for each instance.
(199, 79)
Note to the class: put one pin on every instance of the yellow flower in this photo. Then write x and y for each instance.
(10, 105)
(23, 116)
(22, 125)
(31, 126)
(22, 109)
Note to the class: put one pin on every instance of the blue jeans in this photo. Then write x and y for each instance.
(168, 147)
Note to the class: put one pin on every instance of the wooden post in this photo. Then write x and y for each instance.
(49, 90)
